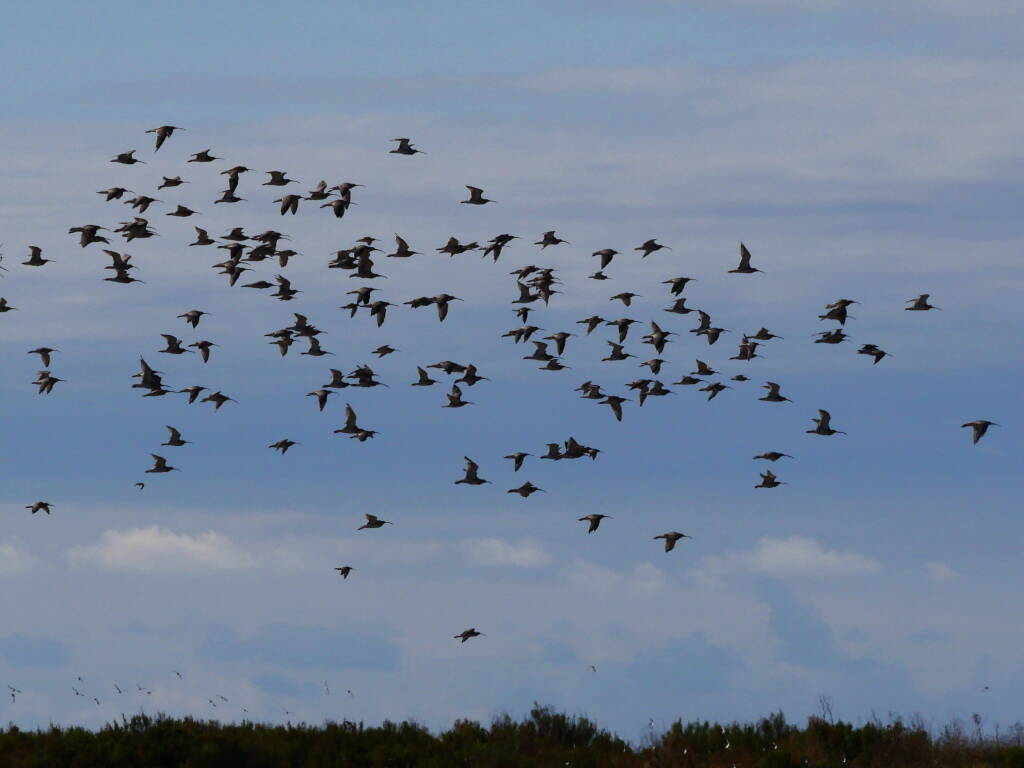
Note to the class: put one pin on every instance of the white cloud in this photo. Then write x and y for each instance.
(792, 556)
(624, 79)
(13, 559)
(941, 572)
(643, 579)
(503, 553)
(159, 549)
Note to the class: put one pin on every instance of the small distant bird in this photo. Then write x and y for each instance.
(40, 506)
(626, 297)
(204, 349)
(772, 456)
(471, 476)
(650, 247)
(192, 316)
(606, 254)
(768, 480)
(44, 354)
(372, 521)
(594, 520)
(218, 399)
(714, 388)
(160, 465)
(920, 304)
(872, 351)
(278, 179)
(175, 438)
(345, 570)
(671, 538)
(203, 157)
(549, 238)
(468, 634)
(35, 258)
(405, 147)
(979, 428)
(163, 133)
(282, 445)
(824, 422)
(476, 196)
(126, 158)
(744, 267)
(526, 490)
(455, 398)
(517, 459)
(773, 395)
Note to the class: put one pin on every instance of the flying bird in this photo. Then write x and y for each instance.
(671, 538)
(979, 428)
(594, 520)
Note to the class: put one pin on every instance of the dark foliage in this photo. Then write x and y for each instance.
(542, 740)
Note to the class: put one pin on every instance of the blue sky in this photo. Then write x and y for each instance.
(859, 151)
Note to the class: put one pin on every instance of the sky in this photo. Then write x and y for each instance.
(860, 151)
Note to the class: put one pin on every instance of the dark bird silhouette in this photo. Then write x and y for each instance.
(126, 158)
(476, 197)
(160, 465)
(372, 521)
(773, 395)
(468, 634)
(549, 238)
(920, 304)
(772, 456)
(768, 480)
(173, 345)
(405, 147)
(526, 489)
(649, 247)
(824, 425)
(203, 157)
(517, 460)
(40, 506)
(218, 399)
(163, 133)
(471, 476)
(175, 438)
(282, 445)
(593, 519)
(979, 428)
(44, 354)
(344, 571)
(35, 258)
(671, 538)
(744, 267)
(872, 351)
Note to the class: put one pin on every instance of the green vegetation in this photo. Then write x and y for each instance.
(544, 739)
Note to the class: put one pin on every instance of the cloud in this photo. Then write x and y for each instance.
(627, 79)
(643, 579)
(159, 549)
(502, 553)
(793, 556)
(941, 572)
(13, 559)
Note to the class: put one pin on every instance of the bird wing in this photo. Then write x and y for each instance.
(744, 257)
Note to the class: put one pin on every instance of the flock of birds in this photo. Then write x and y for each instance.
(533, 285)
